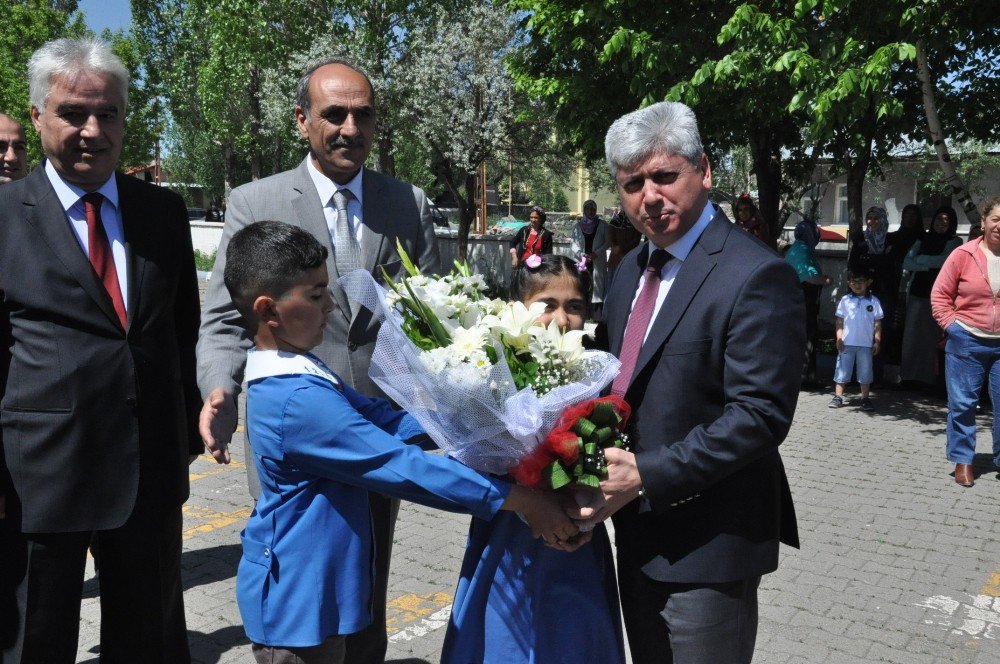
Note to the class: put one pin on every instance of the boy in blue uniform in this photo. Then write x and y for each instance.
(305, 578)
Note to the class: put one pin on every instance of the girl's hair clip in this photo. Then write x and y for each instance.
(533, 261)
(582, 265)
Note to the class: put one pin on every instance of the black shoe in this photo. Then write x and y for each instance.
(866, 405)
(836, 402)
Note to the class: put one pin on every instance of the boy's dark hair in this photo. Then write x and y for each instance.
(526, 281)
(267, 258)
(861, 273)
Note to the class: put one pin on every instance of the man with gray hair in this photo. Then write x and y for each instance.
(13, 150)
(97, 373)
(359, 215)
(700, 316)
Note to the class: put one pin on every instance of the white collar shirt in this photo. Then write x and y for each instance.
(71, 198)
(679, 252)
(327, 188)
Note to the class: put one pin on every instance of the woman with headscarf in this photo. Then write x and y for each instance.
(802, 256)
(531, 240)
(921, 361)
(589, 245)
(874, 254)
(911, 229)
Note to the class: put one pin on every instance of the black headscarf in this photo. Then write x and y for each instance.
(933, 243)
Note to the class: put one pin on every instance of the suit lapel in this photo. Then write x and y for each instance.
(133, 217)
(49, 218)
(689, 280)
(374, 217)
(305, 202)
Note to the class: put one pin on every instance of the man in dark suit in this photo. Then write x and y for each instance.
(359, 215)
(706, 320)
(99, 406)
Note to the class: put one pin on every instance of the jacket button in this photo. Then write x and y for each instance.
(267, 553)
(130, 402)
(352, 346)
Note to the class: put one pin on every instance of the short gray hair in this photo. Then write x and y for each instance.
(668, 127)
(69, 57)
(302, 99)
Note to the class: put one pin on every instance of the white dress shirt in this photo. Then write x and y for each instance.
(326, 189)
(71, 198)
(679, 251)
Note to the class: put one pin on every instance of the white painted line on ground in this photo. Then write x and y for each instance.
(978, 619)
(436, 620)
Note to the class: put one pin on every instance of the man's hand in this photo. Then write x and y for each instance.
(217, 423)
(620, 488)
(876, 346)
(840, 344)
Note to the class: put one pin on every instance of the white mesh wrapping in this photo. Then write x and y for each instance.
(487, 425)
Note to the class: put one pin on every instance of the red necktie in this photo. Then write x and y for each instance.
(100, 253)
(638, 321)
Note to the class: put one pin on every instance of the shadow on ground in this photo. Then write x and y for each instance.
(206, 648)
(199, 567)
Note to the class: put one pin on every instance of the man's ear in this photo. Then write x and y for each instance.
(265, 311)
(302, 122)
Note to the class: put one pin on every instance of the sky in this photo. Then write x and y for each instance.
(102, 14)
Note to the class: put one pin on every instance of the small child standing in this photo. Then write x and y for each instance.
(305, 578)
(859, 334)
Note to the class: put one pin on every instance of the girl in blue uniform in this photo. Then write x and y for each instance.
(518, 600)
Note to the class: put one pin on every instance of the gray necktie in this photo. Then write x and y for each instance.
(346, 253)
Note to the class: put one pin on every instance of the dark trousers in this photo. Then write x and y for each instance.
(142, 611)
(811, 292)
(688, 623)
(369, 645)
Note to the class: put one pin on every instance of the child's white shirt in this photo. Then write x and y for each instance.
(859, 313)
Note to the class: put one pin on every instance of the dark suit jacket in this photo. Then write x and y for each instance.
(713, 396)
(94, 419)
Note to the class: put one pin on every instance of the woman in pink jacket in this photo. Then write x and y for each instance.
(965, 304)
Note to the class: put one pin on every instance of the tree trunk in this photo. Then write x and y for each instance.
(465, 203)
(766, 155)
(276, 155)
(228, 167)
(951, 175)
(253, 92)
(386, 160)
(856, 172)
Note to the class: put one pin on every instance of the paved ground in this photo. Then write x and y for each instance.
(898, 563)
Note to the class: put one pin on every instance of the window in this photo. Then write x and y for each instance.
(840, 215)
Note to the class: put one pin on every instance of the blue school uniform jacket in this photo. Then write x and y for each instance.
(306, 571)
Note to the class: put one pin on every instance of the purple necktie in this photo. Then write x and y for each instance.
(100, 253)
(638, 321)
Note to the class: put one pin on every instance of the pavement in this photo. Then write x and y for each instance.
(898, 563)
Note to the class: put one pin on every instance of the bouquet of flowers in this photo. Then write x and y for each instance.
(484, 379)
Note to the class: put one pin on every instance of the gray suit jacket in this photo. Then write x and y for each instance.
(392, 210)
